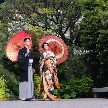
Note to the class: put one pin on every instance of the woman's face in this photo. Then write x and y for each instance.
(46, 47)
(27, 42)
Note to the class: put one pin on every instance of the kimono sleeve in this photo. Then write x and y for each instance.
(41, 57)
(54, 57)
(33, 64)
(41, 63)
(21, 58)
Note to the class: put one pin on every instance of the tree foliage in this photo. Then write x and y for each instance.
(94, 30)
(58, 15)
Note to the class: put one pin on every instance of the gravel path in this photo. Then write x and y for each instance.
(64, 103)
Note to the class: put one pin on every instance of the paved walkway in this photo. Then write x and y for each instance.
(64, 103)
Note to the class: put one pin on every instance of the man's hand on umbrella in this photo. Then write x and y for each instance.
(27, 52)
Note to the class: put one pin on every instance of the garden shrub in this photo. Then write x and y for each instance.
(11, 79)
(4, 91)
(75, 87)
(37, 86)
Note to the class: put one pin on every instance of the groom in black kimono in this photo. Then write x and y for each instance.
(27, 67)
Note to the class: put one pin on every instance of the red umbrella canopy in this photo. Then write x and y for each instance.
(15, 44)
(57, 46)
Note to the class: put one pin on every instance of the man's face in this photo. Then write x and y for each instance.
(27, 42)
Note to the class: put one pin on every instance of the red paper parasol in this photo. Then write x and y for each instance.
(57, 45)
(15, 44)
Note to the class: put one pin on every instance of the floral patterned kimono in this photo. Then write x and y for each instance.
(48, 72)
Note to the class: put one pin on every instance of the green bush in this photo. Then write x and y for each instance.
(4, 91)
(37, 86)
(75, 87)
(12, 80)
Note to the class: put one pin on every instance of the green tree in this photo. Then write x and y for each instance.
(94, 32)
(3, 38)
(58, 15)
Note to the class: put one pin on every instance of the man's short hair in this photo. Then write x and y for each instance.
(26, 39)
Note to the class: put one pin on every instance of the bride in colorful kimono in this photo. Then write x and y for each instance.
(48, 73)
